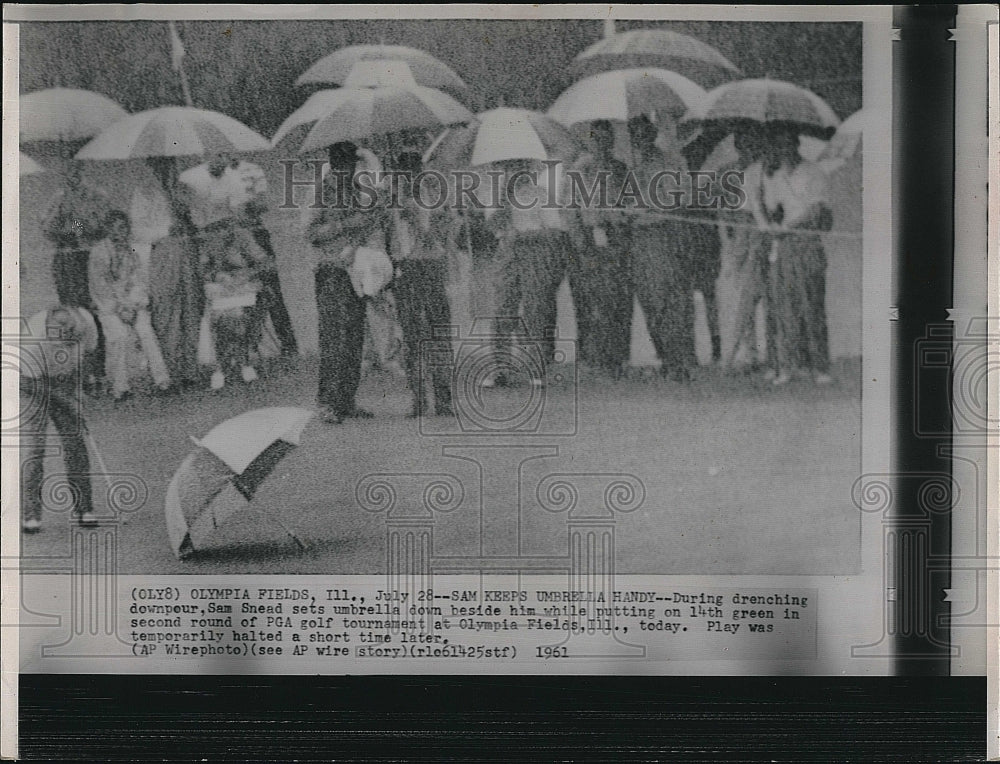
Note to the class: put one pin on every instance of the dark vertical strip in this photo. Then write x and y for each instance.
(923, 182)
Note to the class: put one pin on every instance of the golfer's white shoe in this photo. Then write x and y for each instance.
(249, 374)
(218, 380)
(88, 518)
(31, 525)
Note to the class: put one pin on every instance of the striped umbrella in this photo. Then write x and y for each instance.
(223, 474)
(355, 114)
(502, 134)
(173, 131)
(659, 48)
(766, 102)
(626, 93)
(65, 114)
(424, 68)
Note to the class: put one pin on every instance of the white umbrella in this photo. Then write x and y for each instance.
(65, 114)
(28, 166)
(354, 114)
(625, 93)
(173, 131)
(424, 68)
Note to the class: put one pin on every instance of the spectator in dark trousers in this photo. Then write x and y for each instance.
(599, 269)
(336, 231)
(534, 244)
(661, 267)
(74, 224)
(51, 355)
(418, 238)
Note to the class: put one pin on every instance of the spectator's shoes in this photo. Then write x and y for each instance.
(358, 413)
(31, 525)
(783, 378)
(121, 397)
(823, 379)
(328, 416)
(218, 380)
(249, 374)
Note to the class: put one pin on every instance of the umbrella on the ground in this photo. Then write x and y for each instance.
(626, 93)
(766, 102)
(660, 48)
(65, 114)
(425, 69)
(502, 134)
(28, 166)
(222, 475)
(355, 114)
(173, 131)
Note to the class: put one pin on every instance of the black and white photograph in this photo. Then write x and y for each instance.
(683, 305)
(511, 340)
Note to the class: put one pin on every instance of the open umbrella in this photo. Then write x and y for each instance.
(766, 102)
(626, 93)
(28, 166)
(222, 475)
(424, 68)
(353, 114)
(173, 131)
(847, 139)
(660, 48)
(501, 134)
(65, 114)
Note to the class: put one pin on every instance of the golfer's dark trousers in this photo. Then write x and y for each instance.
(42, 401)
(600, 281)
(71, 273)
(422, 307)
(663, 279)
(341, 337)
(270, 299)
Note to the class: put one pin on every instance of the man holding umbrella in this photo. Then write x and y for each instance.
(347, 221)
(599, 270)
(74, 225)
(417, 241)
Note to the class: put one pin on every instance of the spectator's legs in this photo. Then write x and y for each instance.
(116, 333)
(151, 348)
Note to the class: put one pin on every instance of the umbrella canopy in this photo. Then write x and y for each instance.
(28, 166)
(768, 102)
(222, 475)
(354, 114)
(424, 68)
(847, 139)
(658, 48)
(626, 93)
(173, 131)
(501, 134)
(65, 114)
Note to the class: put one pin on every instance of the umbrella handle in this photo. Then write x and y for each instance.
(288, 531)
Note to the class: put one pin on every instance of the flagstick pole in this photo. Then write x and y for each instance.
(178, 53)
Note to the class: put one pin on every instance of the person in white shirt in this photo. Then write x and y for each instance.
(789, 198)
(119, 288)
